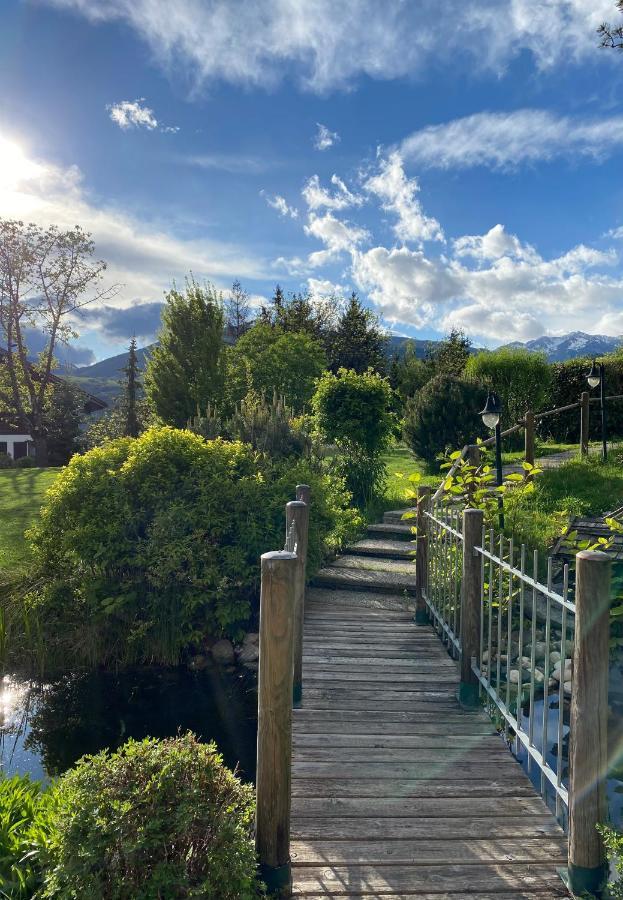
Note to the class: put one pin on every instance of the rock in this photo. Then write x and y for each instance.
(539, 677)
(223, 652)
(197, 663)
(540, 649)
(552, 683)
(526, 662)
(514, 676)
(250, 650)
(554, 657)
(567, 688)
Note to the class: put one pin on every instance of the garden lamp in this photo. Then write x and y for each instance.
(596, 378)
(491, 417)
(492, 411)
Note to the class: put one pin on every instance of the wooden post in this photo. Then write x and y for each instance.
(298, 512)
(471, 597)
(529, 437)
(585, 407)
(274, 725)
(588, 749)
(421, 556)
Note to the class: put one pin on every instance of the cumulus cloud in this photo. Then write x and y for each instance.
(281, 205)
(318, 197)
(367, 38)
(325, 138)
(337, 235)
(128, 114)
(505, 140)
(398, 195)
(141, 320)
(143, 259)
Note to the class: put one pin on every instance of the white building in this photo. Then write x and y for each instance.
(15, 443)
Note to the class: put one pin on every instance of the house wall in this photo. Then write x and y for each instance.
(11, 439)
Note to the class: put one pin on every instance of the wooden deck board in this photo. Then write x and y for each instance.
(397, 791)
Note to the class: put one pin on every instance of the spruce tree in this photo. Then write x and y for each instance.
(132, 385)
(186, 370)
(358, 342)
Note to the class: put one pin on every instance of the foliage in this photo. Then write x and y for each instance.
(25, 462)
(443, 415)
(568, 382)
(155, 819)
(26, 813)
(612, 36)
(269, 360)
(6, 461)
(358, 343)
(64, 415)
(521, 378)
(409, 374)
(450, 356)
(613, 841)
(237, 311)
(45, 277)
(301, 313)
(112, 424)
(352, 410)
(131, 391)
(147, 545)
(186, 369)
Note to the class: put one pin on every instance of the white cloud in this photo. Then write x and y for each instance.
(129, 114)
(280, 204)
(318, 197)
(325, 138)
(504, 140)
(143, 259)
(493, 245)
(327, 45)
(323, 287)
(337, 235)
(398, 194)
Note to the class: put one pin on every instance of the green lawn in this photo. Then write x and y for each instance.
(541, 449)
(21, 496)
(400, 459)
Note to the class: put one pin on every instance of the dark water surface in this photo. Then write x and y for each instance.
(44, 730)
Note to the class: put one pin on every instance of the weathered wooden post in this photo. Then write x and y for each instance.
(421, 555)
(297, 512)
(588, 749)
(585, 408)
(529, 437)
(471, 597)
(274, 725)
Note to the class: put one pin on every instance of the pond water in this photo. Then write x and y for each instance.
(45, 729)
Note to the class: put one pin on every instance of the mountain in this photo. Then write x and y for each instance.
(113, 366)
(569, 346)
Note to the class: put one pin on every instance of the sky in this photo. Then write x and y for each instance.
(456, 170)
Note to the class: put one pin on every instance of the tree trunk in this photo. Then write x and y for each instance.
(41, 450)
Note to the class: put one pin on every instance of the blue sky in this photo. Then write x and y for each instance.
(463, 170)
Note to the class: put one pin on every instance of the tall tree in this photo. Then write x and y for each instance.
(185, 371)
(449, 357)
(132, 386)
(238, 311)
(358, 342)
(46, 275)
(612, 36)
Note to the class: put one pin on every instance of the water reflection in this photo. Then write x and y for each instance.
(45, 729)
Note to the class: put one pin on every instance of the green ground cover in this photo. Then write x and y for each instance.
(401, 461)
(541, 449)
(21, 496)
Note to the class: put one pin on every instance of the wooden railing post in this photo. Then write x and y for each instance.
(588, 751)
(585, 407)
(274, 725)
(297, 511)
(529, 437)
(471, 597)
(421, 555)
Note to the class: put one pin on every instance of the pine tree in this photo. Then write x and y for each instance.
(132, 385)
(186, 370)
(358, 342)
(238, 311)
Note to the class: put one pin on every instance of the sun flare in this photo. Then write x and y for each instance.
(15, 166)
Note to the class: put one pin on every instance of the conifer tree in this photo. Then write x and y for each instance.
(358, 342)
(132, 385)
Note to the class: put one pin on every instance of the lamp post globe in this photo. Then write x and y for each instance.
(492, 411)
(594, 376)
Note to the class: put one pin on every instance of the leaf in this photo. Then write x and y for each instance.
(415, 477)
(456, 454)
(408, 515)
(514, 477)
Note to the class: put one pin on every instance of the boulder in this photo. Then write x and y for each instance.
(198, 662)
(223, 652)
(249, 652)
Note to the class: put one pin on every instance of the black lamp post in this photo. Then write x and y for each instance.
(491, 417)
(596, 378)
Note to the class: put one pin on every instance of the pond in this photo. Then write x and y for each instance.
(45, 729)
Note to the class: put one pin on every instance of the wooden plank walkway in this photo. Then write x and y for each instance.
(396, 791)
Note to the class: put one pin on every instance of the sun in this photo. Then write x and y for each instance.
(15, 166)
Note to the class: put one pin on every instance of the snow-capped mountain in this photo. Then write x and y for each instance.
(568, 346)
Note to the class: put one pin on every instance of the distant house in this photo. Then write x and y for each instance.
(16, 442)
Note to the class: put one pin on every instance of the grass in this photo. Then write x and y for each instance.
(578, 487)
(400, 460)
(541, 449)
(21, 496)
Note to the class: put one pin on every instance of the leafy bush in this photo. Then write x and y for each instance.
(444, 415)
(25, 826)
(353, 412)
(522, 379)
(6, 461)
(613, 841)
(25, 462)
(569, 381)
(147, 545)
(155, 819)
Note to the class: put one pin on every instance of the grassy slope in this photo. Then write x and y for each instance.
(21, 496)
(400, 459)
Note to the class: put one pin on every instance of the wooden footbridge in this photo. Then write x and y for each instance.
(393, 789)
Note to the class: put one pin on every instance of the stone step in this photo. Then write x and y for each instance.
(349, 600)
(396, 532)
(354, 573)
(394, 516)
(384, 548)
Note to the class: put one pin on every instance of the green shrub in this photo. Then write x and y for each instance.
(25, 462)
(6, 461)
(145, 546)
(25, 827)
(155, 819)
(569, 381)
(613, 841)
(444, 415)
